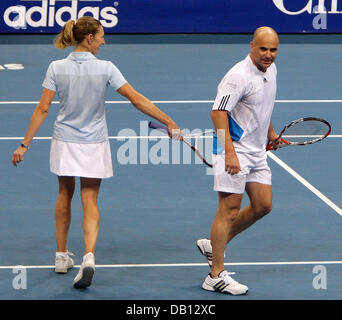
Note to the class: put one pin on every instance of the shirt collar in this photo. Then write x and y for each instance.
(254, 69)
(81, 56)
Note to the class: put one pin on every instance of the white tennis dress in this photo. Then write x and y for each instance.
(80, 145)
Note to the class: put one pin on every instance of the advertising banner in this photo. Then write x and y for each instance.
(174, 16)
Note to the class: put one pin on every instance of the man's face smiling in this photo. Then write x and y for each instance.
(264, 50)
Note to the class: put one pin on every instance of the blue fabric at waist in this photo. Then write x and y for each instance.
(235, 131)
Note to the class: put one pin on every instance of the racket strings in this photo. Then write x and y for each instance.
(305, 131)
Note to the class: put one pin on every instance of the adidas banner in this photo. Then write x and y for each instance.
(174, 16)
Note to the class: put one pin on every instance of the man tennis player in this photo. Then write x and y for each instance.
(242, 118)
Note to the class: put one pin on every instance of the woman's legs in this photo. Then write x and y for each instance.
(91, 216)
(63, 211)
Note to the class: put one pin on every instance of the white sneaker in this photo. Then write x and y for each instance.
(204, 246)
(63, 262)
(87, 269)
(224, 283)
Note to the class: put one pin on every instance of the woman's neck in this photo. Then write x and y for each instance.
(81, 48)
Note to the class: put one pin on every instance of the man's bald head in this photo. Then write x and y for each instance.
(264, 47)
(262, 32)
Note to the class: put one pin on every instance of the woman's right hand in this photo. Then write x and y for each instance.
(18, 155)
(175, 132)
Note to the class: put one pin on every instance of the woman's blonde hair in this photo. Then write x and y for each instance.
(74, 33)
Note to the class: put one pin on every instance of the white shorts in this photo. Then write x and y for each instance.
(253, 169)
(92, 160)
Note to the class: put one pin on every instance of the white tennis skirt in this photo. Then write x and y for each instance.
(92, 160)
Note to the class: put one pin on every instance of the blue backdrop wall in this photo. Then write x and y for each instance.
(175, 16)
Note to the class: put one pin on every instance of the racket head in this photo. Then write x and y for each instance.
(301, 132)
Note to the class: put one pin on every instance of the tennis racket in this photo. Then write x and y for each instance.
(302, 132)
(154, 125)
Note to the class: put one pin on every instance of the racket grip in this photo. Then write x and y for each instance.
(160, 127)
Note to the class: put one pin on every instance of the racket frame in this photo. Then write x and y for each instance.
(285, 143)
(157, 126)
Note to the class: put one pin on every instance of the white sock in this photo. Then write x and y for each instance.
(64, 254)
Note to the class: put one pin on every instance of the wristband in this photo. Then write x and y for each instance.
(24, 146)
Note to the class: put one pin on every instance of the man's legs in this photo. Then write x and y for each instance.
(228, 209)
(230, 220)
(220, 279)
(260, 196)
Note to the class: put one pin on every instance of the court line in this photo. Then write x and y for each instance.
(154, 265)
(305, 183)
(135, 137)
(180, 101)
(270, 154)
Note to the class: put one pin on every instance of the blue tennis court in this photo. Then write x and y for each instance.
(152, 215)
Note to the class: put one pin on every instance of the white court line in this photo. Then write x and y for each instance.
(180, 101)
(270, 154)
(136, 137)
(151, 265)
(305, 183)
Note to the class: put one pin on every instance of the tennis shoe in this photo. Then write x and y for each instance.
(224, 283)
(63, 262)
(85, 275)
(204, 246)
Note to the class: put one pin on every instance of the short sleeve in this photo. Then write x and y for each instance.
(229, 92)
(116, 79)
(50, 79)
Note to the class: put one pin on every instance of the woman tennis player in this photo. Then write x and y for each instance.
(80, 146)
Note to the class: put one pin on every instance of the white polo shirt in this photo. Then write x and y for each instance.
(81, 81)
(248, 95)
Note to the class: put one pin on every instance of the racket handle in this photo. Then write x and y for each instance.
(160, 127)
(282, 143)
